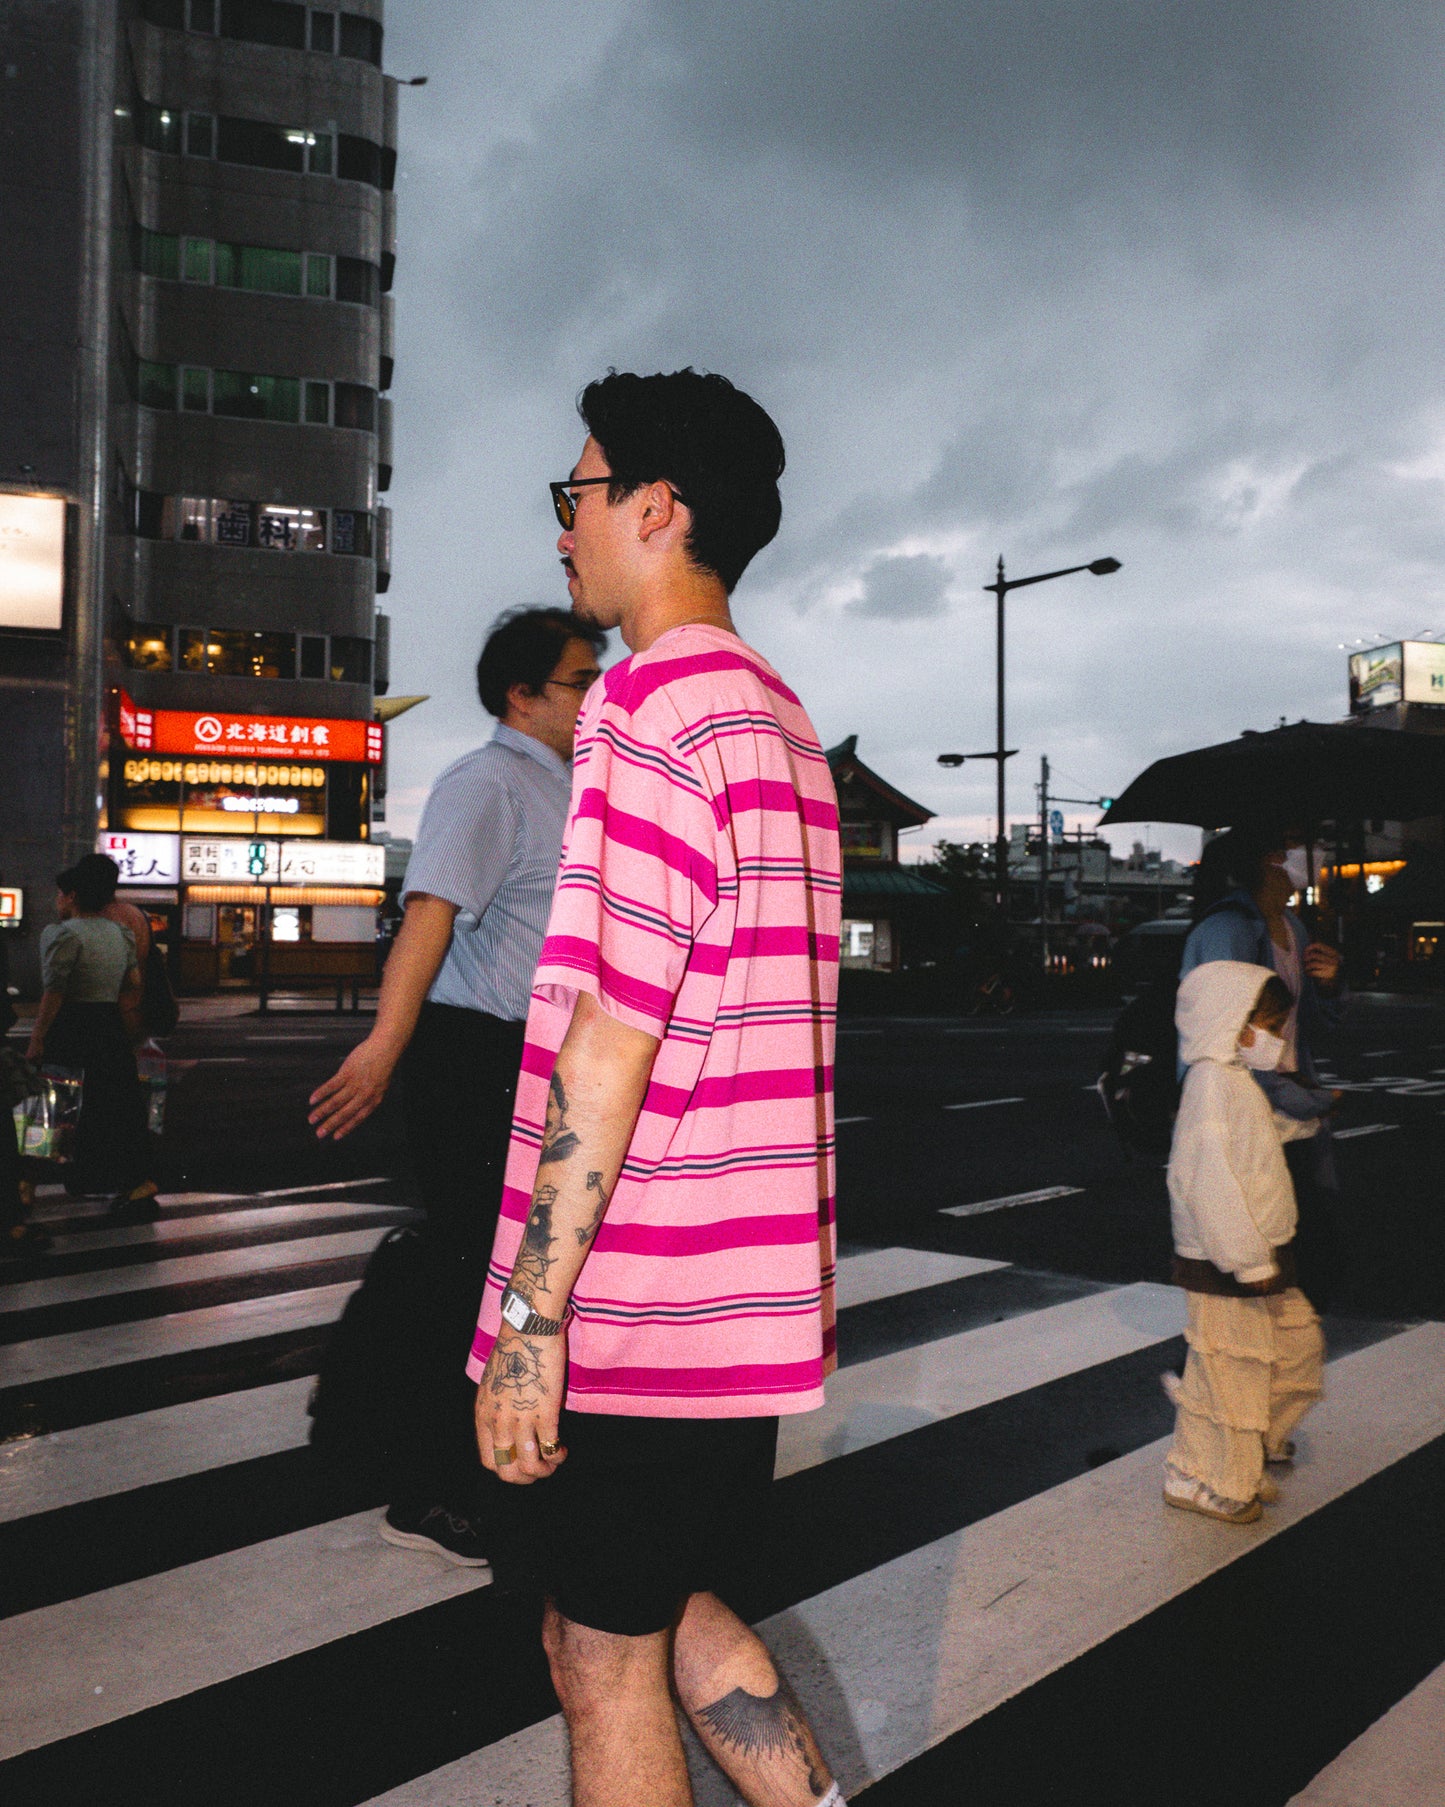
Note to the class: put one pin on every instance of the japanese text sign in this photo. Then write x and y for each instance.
(258, 736)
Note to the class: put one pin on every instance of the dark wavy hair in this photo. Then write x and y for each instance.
(719, 450)
(524, 647)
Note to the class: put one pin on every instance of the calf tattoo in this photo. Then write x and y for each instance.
(766, 1728)
(529, 1275)
(559, 1143)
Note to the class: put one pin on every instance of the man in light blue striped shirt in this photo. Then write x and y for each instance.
(452, 1012)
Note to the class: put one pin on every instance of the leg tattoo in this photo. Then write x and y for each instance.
(765, 1728)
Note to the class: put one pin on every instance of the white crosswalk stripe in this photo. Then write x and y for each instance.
(888, 1661)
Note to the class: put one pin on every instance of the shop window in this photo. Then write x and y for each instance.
(238, 654)
(350, 659)
(148, 648)
(286, 923)
(323, 32)
(285, 529)
(313, 656)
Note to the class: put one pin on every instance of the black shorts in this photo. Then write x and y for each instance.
(646, 1511)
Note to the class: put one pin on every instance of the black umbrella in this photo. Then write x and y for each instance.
(1306, 773)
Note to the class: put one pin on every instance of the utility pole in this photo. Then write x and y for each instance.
(1043, 858)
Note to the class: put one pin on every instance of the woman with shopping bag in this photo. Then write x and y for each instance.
(90, 1018)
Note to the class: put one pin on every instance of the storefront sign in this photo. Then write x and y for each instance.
(332, 863)
(144, 859)
(230, 862)
(32, 562)
(250, 736)
(1424, 672)
(12, 906)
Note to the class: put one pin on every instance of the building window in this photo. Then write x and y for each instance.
(313, 656)
(246, 395)
(296, 149)
(866, 944)
(148, 647)
(350, 659)
(272, 22)
(271, 526)
(264, 269)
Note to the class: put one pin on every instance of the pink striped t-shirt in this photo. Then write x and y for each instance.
(698, 900)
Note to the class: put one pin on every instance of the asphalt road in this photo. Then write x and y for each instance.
(933, 1113)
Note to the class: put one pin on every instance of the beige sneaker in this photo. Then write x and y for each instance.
(1268, 1490)
(1190, 1495)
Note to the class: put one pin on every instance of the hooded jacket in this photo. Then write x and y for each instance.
(1231, 1199)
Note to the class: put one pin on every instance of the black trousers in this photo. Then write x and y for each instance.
(459, 1085)
(112, 1150)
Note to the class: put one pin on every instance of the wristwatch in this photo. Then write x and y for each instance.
(517, 1312)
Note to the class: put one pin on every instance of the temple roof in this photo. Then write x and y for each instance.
(847, 767)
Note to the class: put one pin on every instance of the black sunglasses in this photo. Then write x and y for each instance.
(566, 504)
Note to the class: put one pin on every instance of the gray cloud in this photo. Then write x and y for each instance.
(903, 587)
(1049, 279)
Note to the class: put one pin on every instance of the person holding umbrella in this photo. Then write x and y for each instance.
(1245, 882)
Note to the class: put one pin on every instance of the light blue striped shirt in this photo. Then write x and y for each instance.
(490, 842)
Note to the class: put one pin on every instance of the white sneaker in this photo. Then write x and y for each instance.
(1191, 1495)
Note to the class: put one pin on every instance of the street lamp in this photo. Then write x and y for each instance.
(1099, 567)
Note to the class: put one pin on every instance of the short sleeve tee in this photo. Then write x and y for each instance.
(699, 900)
(86, 959)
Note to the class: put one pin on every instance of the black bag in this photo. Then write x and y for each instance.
(158, 1007)
(391, 1410)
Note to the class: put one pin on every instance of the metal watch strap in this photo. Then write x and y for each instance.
(534, 1324)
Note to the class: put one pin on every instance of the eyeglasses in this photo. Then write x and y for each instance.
(565, 502)
(580, 685)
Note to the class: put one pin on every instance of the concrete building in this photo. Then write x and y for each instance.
(194, 386)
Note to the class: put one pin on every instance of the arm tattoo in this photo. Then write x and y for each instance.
(558, 1141)
(588, 1231)
(766, 1728)
(529, 1275)
(514, 1368)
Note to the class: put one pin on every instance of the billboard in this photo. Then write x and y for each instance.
(144, 859)
(1377, 678)
(210, 732)
(332, 863)
(1424, 672)
(32, 562)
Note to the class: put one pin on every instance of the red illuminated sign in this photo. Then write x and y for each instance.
(190, 733)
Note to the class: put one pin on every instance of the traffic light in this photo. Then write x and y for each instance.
(1106, 803)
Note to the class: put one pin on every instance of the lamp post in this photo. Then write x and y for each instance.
(1000, 587)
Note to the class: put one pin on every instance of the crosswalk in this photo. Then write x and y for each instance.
(982, 1598)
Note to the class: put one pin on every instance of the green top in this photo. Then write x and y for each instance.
(86, 959)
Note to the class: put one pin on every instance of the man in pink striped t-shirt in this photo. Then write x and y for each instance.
(661, 1283)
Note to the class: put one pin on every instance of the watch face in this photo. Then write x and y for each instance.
(515, 1310)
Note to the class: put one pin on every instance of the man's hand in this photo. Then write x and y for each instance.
(519, 1402)
(353, 1091)
(1322, 963)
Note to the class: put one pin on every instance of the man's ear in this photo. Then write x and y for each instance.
(659, 510)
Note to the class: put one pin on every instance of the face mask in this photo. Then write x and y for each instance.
(1296, 868)
(1264, 1053)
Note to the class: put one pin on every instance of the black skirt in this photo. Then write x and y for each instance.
(111, 1149)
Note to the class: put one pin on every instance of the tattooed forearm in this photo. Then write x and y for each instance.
(514, 1371)
(765, 1729)
(558, 1141)
(534, 1257)
(585, 1232)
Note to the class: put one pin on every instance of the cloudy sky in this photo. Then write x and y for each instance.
(1051, 278)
